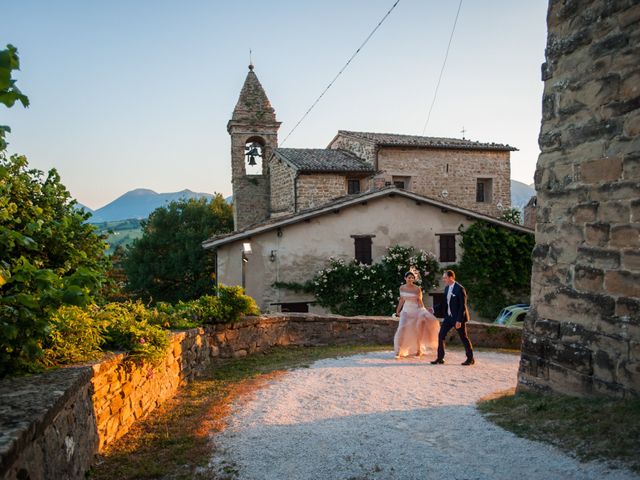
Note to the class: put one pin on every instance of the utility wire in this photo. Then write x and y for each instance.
(435, 94)
(340, 72)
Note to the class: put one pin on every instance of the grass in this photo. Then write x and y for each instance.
(120, 232)
(590, 429)
(173, 442)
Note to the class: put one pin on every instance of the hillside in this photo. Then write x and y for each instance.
(520, 194)
(139, 204)
(119, 232)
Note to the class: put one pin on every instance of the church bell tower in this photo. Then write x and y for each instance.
(254, 134)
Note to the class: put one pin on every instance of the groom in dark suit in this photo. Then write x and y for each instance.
(456, 315)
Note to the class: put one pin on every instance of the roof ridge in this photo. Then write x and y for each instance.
(352, 199)
(425, 141)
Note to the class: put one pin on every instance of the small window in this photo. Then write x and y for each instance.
(401, 182)
(298, 307)
(480, 192)
(448, 248)
(353, 186)
(484, 190)
(363, 249)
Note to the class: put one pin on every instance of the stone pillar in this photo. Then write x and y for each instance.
(583, 333)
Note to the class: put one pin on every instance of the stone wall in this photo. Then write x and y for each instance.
(432, 171)
(283, 179)
(360, 147)
(314, 190)
(583, 333)
(124, 392)
(53, 424)
(47, 426)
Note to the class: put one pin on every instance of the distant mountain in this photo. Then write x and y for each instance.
(521, 193)
(80, 206)
(139, 204)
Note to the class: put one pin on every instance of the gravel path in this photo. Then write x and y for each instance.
(373, 417)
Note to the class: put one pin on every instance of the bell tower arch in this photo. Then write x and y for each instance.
(254, 134)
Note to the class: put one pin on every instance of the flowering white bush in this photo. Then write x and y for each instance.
(357, 289)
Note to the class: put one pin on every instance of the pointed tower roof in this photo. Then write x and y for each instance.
(253, 105)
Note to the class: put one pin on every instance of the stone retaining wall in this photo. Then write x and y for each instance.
(53, 424)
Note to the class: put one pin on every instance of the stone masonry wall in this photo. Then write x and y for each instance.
(583, 333)
(53, 424)
(314, 190)
(282, 187)
(455, 171)
(360, 147)
(47, 425)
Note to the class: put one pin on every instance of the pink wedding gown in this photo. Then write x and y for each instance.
(418, 329)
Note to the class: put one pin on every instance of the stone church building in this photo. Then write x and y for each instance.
(295, 207)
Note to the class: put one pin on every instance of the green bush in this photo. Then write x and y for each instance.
(227, 306)
(74, 336)
(233, 303)
(352, 288)
(49, 257)
(130, 327)
(78, 334)
(496, 266)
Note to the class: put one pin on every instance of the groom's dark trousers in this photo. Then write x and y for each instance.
(455, 311)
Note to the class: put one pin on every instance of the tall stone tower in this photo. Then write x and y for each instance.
(582, 334)
(254, 134)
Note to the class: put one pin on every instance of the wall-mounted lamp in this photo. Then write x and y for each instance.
(246, 248)
(499, 206)
(272, 256)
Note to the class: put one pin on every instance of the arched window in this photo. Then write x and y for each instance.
(254, 155)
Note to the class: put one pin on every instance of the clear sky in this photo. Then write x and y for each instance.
(136, 94)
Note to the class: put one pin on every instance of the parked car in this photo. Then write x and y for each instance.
(513, 315)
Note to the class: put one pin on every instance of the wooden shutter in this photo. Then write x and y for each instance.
(480, 191)
(447, 248)
(363, 250)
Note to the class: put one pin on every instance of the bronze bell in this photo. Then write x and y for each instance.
(252, 154)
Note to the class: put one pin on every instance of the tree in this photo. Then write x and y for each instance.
(495, 266)
(168, 262)
(49, 257)
(9, 93)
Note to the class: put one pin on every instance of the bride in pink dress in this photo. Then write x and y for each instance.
(418, 328)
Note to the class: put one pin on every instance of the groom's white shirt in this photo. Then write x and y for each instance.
(449, 294)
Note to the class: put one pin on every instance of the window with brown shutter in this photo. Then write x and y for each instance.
(363, 249)
(480, 192)
(484, 190)
(353, 186)
(448, 248)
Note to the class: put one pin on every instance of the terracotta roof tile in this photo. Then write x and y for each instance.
(394, 139)
(323, 160)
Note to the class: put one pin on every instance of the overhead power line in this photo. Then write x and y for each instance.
(340, 72)
(435, 94)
